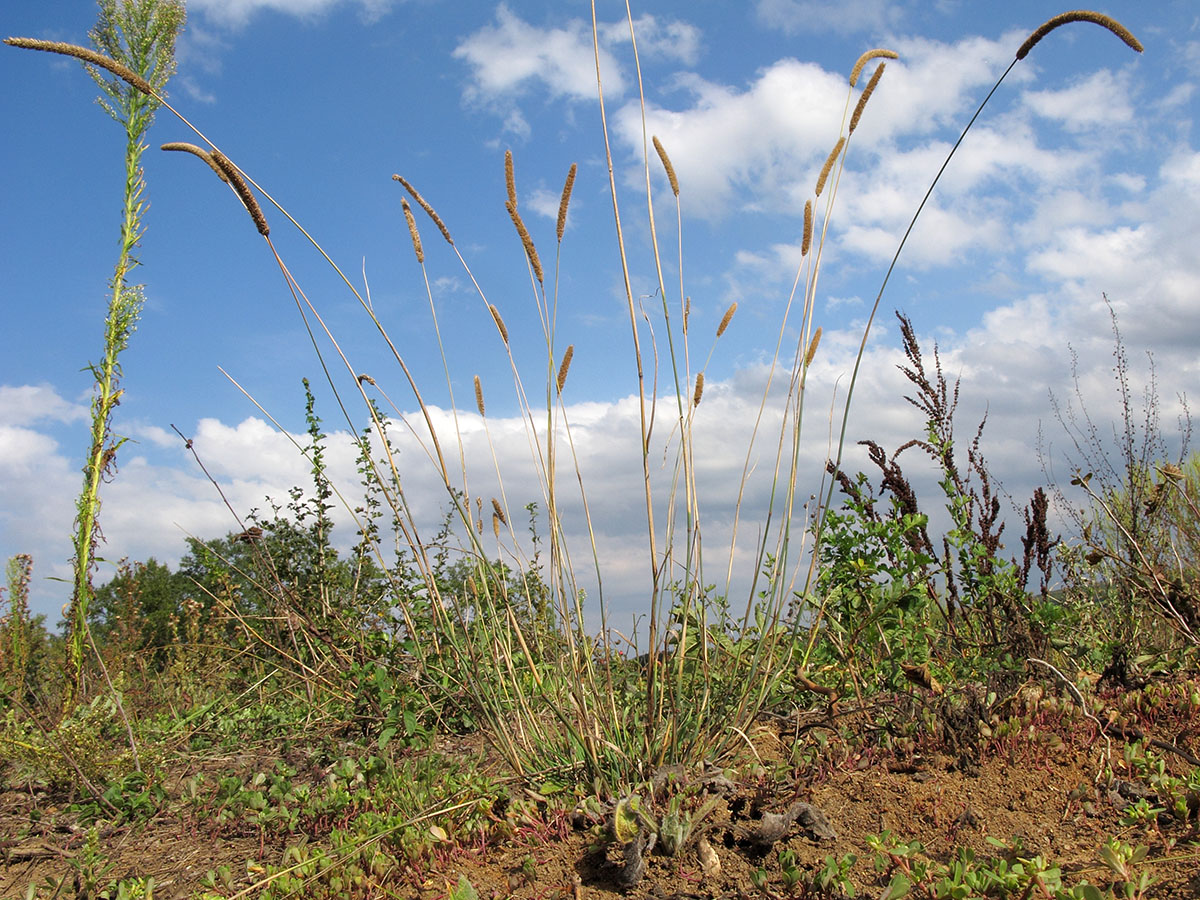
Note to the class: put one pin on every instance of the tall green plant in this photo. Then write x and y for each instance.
(139, 34)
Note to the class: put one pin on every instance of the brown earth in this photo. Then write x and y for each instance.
(1043, 791)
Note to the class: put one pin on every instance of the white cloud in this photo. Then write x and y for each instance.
(676, 40)
(846, 17)
(236, 13)
(1099, 101)
(26, 404)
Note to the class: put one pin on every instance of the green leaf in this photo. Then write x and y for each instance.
(385, 737)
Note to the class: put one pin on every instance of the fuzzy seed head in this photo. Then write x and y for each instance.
(565, 367)
(412, 230)
(687, 313)
(829, 161)
(1080, 15)
(699, 392)
(566, 199)
(235, 179)
(727, 318)
(499, 322)
(526, 240)
(424, 204)
(866, 95)
(806, 241)
(866, 58)
(670, 169)
(812, 348)
(510, 183)
(183, 147)
(498, 511)
(479, 395)
(90, 57)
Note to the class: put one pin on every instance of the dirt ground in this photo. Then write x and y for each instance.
(1044, 791)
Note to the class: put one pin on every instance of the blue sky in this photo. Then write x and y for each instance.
(1081, 178)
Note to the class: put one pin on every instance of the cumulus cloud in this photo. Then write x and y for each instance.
(847, 17)
(236, 13)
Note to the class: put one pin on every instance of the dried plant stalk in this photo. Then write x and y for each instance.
(412, 230)
(1080, 15)
(234, 177)
(699, 392)
(566, 199)
(565, 367)
(666, 161)
(866, 95)
(812, 348)
(499, 322)
(499, 511)
(510, 182)
(526, 240)
(806, 241)
(183, 147)
(727, 318)
(479, 395)
(829, 161)
(88, 56)
(866, 58)
(424, 204)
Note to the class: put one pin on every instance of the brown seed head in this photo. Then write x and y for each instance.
(499, 322)
(412, 230)
(496, 525)
(812, 348)
(196, 151)
(687, 313)
(699, 392)
(866, 58)
(1079, 15)
(725, 319)
(806, 241)
(238, 183)
(499, 511)
(666, 161)
(424, 204)
(564, 367)
(88, 56)
(510, 183)
(566, 199)
(479, 395)
(865, 96)
(526, 240)
(829, 161)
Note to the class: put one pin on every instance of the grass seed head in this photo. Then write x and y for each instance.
(510, 182)
(812, 348)
(1079, 15)
(424, 204)
(499, 511)
(699, 392)
(412, 230)
(238, 183)
(479, 395)
(727, 318)
(183, 147)
(666, 161)
(687, 313)
(566, 199)
(565, 367)
(829, 161)
(806, 241)
(90, 57)
(526, 240)
(499, 322)
(866, 58)
(866, 95)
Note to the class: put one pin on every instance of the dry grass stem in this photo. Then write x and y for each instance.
(829, 161)
(499, 322)
(510, 181)
(412, 230)
(806, 241)
(234, 177)
(727, 318)
(866, 95)
(699, 392)
(182, 147)
(479, 395)
(87, 56)
(866, 58)
(566, 199)
(424, 204)
(1080, 15)
(565, 367)
(526, 240)
(666, 161)
(498, 510)
(812, 348)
